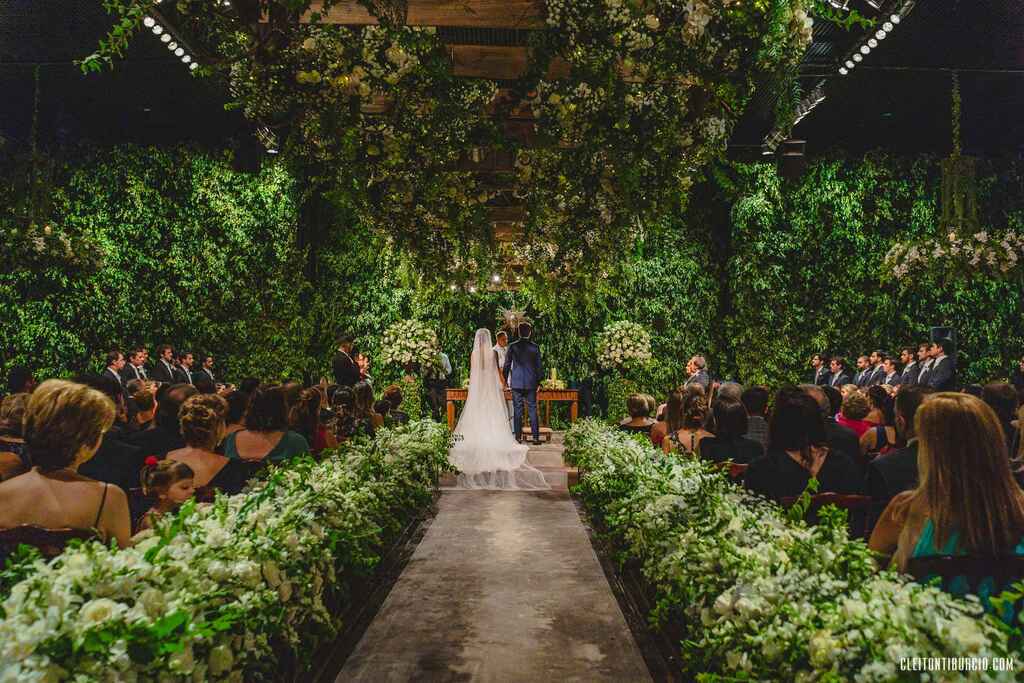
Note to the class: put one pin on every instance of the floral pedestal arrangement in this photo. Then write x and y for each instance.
(622, 347)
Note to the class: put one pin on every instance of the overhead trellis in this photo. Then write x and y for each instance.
(548, 147)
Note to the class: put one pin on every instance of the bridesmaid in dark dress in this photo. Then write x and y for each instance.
(798, 451)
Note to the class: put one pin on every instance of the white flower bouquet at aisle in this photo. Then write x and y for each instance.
(624, 346)
(761, 597)
(229, 591)
(410, 342)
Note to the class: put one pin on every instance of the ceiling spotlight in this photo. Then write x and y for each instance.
(895, 18)
(887, 26)
(472, 289)
(158, 29)
(193, 66)
(858, 58)
(880, 34)
(273, 150)
(495, 278)
(864, 49)
(872, 43)
(148, 22)
(165, 38)
(843, 70)
(850, 64)
(186, 59)
(172, 46)
(179, 52)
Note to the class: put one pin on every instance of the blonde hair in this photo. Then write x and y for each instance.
(61, 418)
(202, 418)
(966, 484)
(855, 406)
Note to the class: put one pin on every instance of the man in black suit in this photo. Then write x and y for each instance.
(207, 368)
(183, 373)
(346, 372)
(164, 370)
(911, 368)
(523, 374)
(895, 472)
(876, 373)
(820, 368)
(698, 374)
(840, 372)
(863, 371)
(942, 375)
(136, 366)
(115, 365)
(840, 439)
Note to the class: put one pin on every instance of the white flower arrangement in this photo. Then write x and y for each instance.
(624, 345)
(760, 597)
(410, 342)
(957, 253)
(220, 592)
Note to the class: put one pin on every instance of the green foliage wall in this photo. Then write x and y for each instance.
(805, 268)
(207, 258)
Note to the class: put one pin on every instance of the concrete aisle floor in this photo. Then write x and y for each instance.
(504, 586)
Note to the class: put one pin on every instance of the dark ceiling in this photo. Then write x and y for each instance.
(898, 98)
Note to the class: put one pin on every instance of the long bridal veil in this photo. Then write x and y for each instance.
(486, 453)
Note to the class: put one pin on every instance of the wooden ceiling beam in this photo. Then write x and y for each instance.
(509, 14)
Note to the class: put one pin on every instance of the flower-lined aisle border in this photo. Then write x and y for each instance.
(760, 597)
(224, 592)
(378, 123)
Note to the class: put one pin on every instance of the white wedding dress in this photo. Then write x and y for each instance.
(486, 453)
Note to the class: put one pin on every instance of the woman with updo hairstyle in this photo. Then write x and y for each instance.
(854, 411)
(145, 405)
(13, 454)
(238, 404)
(346, 423)
(64, 425)
(305, 420)
(202, 428)
(266, 435)
(686, 416)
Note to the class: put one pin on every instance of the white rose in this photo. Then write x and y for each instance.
(153, 602)
(100, 610)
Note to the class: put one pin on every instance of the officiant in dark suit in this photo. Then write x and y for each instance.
(522, 374)
(346, 372)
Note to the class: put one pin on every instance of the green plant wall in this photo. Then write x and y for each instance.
(757, 275)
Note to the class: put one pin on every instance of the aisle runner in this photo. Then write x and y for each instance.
(503, 587)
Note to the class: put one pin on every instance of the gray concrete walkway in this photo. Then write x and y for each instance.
(504, 586)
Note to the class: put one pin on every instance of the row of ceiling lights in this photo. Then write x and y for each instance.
(496, 279)
(168, 40)
(864, 50)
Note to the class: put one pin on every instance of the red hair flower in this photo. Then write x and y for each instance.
(151, 461)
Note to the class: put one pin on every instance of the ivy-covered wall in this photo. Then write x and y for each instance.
(758, 275)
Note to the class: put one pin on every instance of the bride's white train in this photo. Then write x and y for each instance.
(486, 452)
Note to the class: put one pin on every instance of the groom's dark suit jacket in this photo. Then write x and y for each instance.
(522, 365)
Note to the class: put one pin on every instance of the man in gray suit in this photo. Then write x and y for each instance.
(698, 374)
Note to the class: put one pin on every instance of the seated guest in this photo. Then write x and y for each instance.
(170, 482)
(639, 420)
(896, 471)
(305, 420)
(238, 403)
(63, 426)
(967, 502)
(835, 400)
(20, 380)
(685, 420)
(755, 400)
(116, 461)
(202, 427)
(143, 411)
(730, 391)
(729, 444)
(363, 393)
(853, 413)
(393, 395)
(14, 458)
(845, 391)
(840, 373)
(881, 438)
(799, 451)
(383, 408)
(266, 435)
(974, 390)
(165, 435)
(249, 385)
(839, 439)
(1002, 399)
(347, 424)
(660, 428)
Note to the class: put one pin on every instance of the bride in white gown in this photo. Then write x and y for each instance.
(486, 453)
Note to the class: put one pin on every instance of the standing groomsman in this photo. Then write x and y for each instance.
(892, 375)
(863, 372)
(942, 376)
(164, 369)
(840, 374)
(820, 365)
(136, 367)
(924, 359)
(876, 375)
(115, 366)
(207, 368)
(184, 374)
(911, 368)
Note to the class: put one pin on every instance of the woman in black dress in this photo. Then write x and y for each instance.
(729, 442)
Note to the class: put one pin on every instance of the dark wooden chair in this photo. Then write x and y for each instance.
(50, 542)
(857, 507)
(974, 570)
(737, 471)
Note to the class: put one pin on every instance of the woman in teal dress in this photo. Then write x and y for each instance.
(266, 436)
(967, 501)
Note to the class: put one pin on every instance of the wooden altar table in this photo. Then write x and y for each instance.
(546, 396)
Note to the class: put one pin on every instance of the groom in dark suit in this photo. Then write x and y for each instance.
(522, 373)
